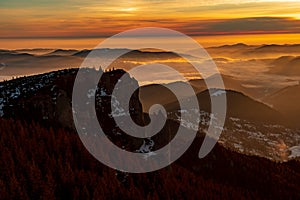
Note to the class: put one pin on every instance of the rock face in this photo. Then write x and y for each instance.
(109, 107)
(47, 99)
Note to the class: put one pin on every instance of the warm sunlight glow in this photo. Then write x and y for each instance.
(128, 9)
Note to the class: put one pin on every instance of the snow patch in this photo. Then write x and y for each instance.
(1, 110)
(91, 93)
(117, 110)
(102, 92)
(218, 93)
(147, 146)
(295, 151)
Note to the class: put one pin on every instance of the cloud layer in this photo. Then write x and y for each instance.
(66, 18)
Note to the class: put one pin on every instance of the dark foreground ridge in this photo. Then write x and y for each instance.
(42, 156)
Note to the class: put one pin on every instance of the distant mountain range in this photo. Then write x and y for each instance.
(254, 67)
(255, 51)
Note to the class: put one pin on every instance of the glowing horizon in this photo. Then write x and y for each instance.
(90, 43)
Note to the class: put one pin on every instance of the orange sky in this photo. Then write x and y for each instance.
(99, 19)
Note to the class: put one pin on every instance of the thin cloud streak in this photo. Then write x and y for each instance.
(94, 27)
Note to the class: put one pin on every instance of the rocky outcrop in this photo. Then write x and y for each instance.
(47, 98)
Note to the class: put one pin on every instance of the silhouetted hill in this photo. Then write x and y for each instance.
(286, 65)
(43, 157)
(255, 51)
(286, 101)
(279, 48)
(63, 52)
(155, 93)
(130, 54)
(238, 106)
(251, 127)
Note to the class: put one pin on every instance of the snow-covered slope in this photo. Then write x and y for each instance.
(269, 140)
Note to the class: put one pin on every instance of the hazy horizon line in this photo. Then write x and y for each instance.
(89, 49)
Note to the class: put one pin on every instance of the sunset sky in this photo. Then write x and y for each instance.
(99, 18)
